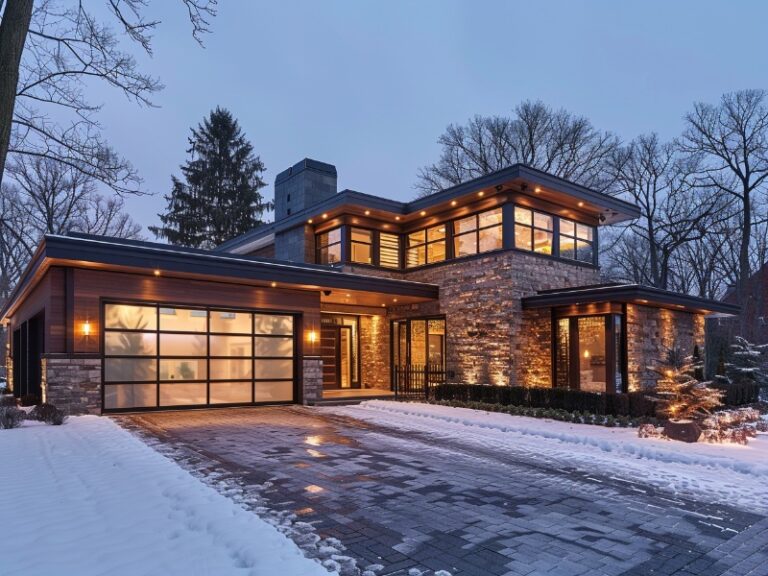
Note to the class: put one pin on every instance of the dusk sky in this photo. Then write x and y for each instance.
(369, 86)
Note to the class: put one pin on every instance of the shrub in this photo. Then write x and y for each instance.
(6, 400)
(11, 417)
(738, 393)
(30, 400)
(49, 414)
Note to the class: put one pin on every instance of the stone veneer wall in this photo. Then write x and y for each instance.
(312, 379)
(487, 341)
(374, 352)
(72, 382)
(651, 332)
(534, 347)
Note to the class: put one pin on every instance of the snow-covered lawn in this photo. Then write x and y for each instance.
(89, 498)
(725, 473)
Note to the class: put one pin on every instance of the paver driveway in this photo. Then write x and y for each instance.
(407, 500)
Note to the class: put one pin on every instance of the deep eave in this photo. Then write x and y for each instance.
(112, 253)
(629, 293)
(620, 209)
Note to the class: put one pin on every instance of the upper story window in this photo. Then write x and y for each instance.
(361, 245)
(426, 246)
(477, 233)
(389, 250)
(533, 230)
(576, 241)
(329, 247)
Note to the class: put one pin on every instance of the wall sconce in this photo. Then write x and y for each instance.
(312, 336)
(86, 328)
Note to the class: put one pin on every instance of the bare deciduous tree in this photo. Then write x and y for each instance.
(49, 51)
(555, 141)
(732, 139)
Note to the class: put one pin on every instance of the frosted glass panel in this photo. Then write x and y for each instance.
(274, 391)
(181, 394)
(231, 322)
(130, 343)
(272, 324)
(265, 346)
(231, 346)
(231, 369)
(230, 392)
(128, 317)
(274, 369)
(179, 369)
(129, 369)
(130, 395)
(183, 345)
(183, 320)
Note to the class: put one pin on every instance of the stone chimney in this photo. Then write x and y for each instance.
(302, 185)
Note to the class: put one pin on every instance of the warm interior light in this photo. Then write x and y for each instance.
(86, 328)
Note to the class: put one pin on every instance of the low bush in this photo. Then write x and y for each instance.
(738, 393)
(11, 417)
(633, 404)
(7, 400)
(49, 414)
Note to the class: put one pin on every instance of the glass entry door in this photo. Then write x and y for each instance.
(345, 356)
(589, 353)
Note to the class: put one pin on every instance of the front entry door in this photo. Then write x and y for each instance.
(337, 353)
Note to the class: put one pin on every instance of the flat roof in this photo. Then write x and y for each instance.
(630, 293)
(82, 250)
(618, 210)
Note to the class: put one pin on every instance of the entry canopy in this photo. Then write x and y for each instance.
(627, 293)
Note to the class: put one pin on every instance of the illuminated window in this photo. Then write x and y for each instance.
(361, 245)
(533, 230)
(426, 246)
(477, 233)
(329, 247)
(576, 241)
(389, 250)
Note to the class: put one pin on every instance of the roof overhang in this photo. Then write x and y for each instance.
(105, 253)
(628, 293)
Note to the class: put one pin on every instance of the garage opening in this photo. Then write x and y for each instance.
(158, 357)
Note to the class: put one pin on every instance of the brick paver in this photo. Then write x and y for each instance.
(405, 500)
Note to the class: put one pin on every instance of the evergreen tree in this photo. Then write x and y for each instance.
(748, 362)
(219, 197)
(686, 397)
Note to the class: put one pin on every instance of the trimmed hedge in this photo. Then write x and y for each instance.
(739, 393)
(633, 404)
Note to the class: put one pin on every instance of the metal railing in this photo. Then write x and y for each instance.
(416, 381)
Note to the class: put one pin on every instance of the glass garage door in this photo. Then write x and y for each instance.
(161, 357)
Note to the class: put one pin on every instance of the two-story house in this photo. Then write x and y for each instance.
(493, 281)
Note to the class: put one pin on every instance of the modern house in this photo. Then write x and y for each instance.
(493, 281)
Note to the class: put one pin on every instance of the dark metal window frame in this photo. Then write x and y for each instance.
(320, 246)
(157, 357)
(427, 243)
(574, 375)
(357, 383)
(476, 231)
(394, 340)
(370, 244)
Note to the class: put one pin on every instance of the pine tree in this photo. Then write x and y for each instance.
(747, 362)
(219, 197)
(687, 398)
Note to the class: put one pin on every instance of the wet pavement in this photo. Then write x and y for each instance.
(399, 500)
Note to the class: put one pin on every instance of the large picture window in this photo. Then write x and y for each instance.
(162, 356)
(477, 233)
(533, 230)
(426, 246)
(576, 241)
(361, 245)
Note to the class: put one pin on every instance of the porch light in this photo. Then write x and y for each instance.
(86, 328)
(586, 353)
(312, 336)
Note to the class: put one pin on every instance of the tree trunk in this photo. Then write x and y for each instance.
(13, 35)
(742, 288)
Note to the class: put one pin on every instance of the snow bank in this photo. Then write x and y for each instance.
(732, 473)
(89, 498)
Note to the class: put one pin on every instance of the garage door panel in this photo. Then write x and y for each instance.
(130, 396)
(183, 394)
(274, 391)
(231, 392)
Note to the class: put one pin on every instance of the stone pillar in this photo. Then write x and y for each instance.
(312, 382)
(72, 382)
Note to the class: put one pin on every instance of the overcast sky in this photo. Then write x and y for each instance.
(369, 86)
